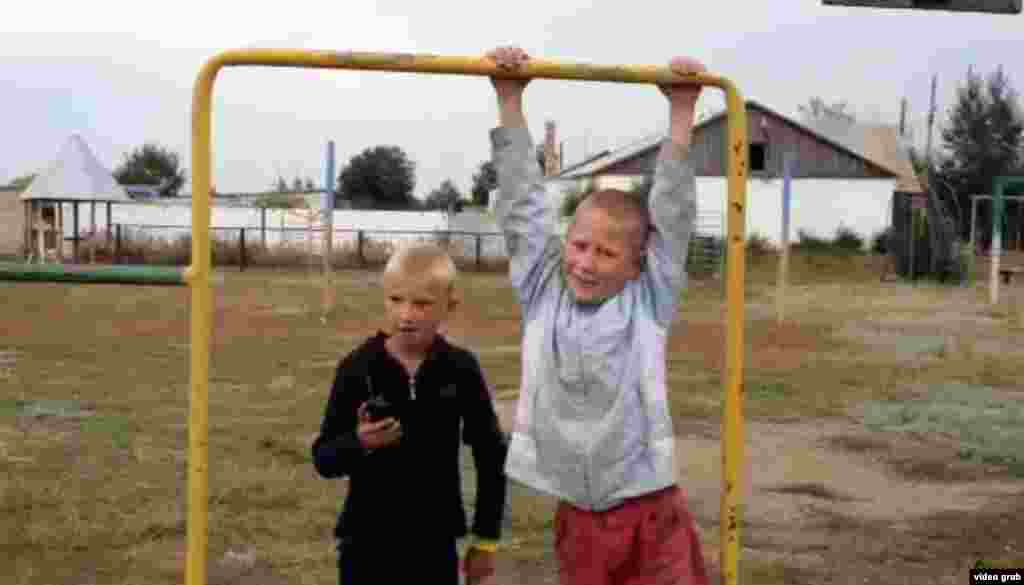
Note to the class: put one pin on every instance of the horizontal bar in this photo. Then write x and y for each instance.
(981, 6)
(425, 63)
(135, 275)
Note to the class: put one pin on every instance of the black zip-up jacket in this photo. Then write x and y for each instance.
(414, 485)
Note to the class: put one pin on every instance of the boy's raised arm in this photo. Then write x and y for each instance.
(673, 198)
(523, 211)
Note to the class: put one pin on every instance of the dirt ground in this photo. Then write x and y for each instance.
(834, 504)
(99, 499)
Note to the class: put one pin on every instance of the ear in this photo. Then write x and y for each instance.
(639, 263)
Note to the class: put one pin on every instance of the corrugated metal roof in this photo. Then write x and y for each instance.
(610, 158)
(75, 174)
(880, 145)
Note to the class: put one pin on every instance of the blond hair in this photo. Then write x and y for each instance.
(627, 211)
(423, 263)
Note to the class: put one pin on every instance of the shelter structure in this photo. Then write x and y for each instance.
(75, 176)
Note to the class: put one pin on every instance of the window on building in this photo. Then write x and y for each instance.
(758, 156)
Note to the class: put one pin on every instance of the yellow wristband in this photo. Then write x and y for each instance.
(490, 546)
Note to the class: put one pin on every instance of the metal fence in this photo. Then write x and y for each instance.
(297, 247)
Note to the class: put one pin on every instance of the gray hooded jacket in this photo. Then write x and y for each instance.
(592, 425)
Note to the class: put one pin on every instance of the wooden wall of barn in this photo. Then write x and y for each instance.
(815, 158)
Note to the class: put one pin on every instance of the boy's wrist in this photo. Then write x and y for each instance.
(512, 117)
(675, 148)
(489, 545)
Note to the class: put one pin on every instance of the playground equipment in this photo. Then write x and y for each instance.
(198, 275)
(1000, 185)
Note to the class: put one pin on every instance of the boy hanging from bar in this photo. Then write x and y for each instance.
(592, 426)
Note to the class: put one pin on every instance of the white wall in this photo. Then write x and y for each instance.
(180, 214)
(818, 206)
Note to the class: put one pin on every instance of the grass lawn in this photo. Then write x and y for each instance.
(94, 405)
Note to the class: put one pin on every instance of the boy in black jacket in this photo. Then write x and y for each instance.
(392, 426)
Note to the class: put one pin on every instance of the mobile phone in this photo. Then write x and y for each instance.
(379, 408)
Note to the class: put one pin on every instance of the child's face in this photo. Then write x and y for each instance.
(600, 257)
(416, 309)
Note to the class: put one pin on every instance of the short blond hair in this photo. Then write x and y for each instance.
(628, 212)
(427, 263)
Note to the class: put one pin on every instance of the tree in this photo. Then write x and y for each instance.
(152, 164)
(485, 180)
(277, 200)
(445, 197)
(381, 177)
(816, 110)
(298, 184)
(982, 140)
(20, 183)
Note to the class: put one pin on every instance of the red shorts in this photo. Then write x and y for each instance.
(648, 540)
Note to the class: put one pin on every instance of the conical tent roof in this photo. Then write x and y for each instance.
(76, 174)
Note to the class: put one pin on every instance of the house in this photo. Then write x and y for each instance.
(836, 181)
(142, 192)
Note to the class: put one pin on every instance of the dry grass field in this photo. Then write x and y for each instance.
(885, 428)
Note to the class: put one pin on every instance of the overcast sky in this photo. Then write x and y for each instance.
(121, 74)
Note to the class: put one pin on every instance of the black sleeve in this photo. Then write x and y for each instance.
(482, 432)
(337, 450)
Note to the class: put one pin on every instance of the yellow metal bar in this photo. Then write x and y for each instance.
(198, 277)
(733, 487)
(198, 274)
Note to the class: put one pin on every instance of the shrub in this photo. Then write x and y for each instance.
(808, 242)
(847, 240)
(880, 241)
(759, 245)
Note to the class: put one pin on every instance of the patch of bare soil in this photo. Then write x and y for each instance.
(234, 567)
(771, 346)
(837, 504)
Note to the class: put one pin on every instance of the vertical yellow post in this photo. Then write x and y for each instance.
(732, 416)
(198, 277)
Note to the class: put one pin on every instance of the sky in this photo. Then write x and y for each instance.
(121, 74)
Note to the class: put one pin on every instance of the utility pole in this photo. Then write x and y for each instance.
(931, 120)
(903, 117)
(328, 221)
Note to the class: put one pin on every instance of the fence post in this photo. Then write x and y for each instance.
(359, 248)
(241, 250)
(478, 238)
(117, 243)
(74, 242)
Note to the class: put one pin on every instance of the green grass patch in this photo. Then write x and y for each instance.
(68, 409)
(767, 391)
(118, 429)
(988, 426)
